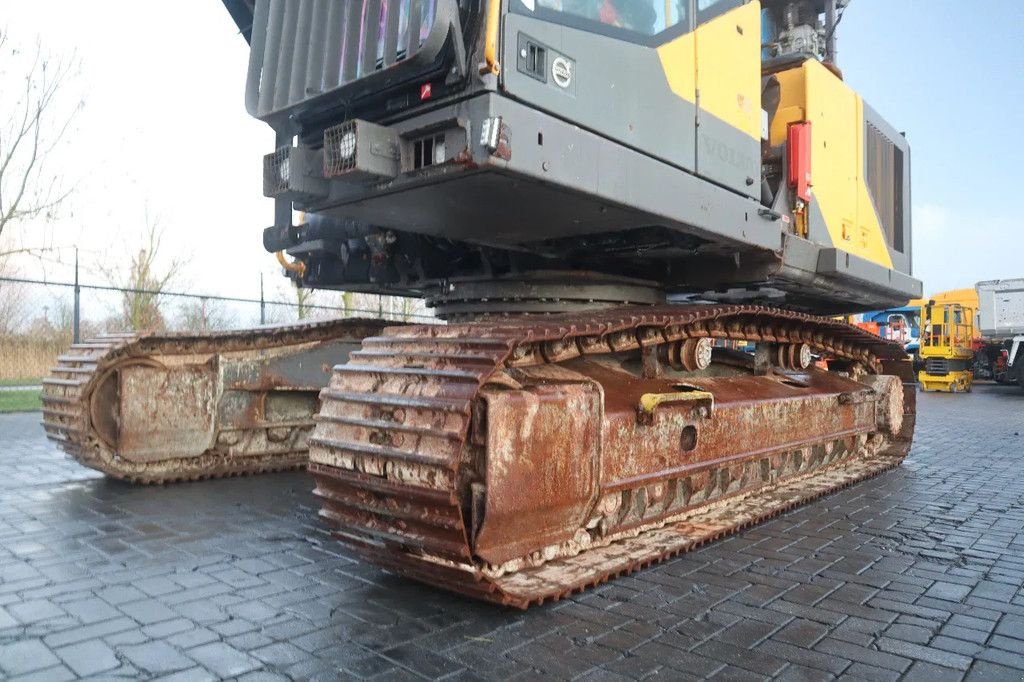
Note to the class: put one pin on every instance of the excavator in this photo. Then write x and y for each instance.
(635, 221)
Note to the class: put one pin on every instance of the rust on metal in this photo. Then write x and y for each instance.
(518, 461)
(170, 407)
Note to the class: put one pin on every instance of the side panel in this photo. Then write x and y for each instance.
(617, 88)
(1001, 308)
(729, 95)
(841, 197)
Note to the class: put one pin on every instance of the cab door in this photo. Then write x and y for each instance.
(728, 45)
(632, 83)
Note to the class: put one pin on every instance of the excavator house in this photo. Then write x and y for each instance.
(635, 217)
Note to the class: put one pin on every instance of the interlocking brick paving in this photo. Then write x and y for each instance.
(917, 573)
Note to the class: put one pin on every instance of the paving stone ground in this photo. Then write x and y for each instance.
(915, 574)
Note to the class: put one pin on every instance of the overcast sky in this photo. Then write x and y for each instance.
(164, 127)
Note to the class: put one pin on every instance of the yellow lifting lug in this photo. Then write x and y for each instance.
(297, 267)
(701, 402)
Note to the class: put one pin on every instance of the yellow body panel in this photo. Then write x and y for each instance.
(812, 93)
(729, 68)
(678, 60)
(723, 59)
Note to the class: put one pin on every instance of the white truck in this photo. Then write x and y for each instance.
(1001, 321)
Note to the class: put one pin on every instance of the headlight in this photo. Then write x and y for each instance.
(285, 172)
(377, 161)
(347, 145)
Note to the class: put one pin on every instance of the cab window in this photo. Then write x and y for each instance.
(643, 21)
(709, 9)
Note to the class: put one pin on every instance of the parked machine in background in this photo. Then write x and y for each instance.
(1001, 325)
(968, 298)
(947, 335)
(901, 325)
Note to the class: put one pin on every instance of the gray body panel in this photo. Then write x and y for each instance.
(620, 188)
(727, 156)
(1001, 308)
(579, 183)
(618, 90)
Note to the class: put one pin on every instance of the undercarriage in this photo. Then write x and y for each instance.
(515, 459)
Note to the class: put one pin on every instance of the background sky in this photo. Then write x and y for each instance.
(164, 131)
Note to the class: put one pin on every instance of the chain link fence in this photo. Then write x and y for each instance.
(39, 319)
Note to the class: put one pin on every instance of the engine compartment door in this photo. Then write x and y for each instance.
(728, 45)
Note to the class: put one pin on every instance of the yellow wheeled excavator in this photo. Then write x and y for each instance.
(606, 200)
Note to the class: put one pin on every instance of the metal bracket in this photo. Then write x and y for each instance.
(857, 397)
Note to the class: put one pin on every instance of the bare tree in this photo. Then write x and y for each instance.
(12, 300)
(33, 122)
(204, 315)
(303, 299)
(377, 305)
(144, 277)
(348, 303)
(409, 307)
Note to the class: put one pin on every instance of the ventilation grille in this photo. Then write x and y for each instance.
(937, 366)
(310, 47)
(428, 151)
(884, 175)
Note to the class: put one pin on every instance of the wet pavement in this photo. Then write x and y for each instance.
(915, 574)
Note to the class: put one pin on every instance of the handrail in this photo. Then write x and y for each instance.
(492, 65)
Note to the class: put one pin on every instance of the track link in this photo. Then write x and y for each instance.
(405, 451)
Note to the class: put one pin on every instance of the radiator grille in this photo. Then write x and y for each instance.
(884, 175)
(303, 48)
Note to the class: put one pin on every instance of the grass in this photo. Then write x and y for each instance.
(20, 382)
(20, 401)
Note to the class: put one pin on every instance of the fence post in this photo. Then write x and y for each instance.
(76, 317)
(263, 303)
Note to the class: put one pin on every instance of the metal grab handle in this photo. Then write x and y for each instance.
(650, 402)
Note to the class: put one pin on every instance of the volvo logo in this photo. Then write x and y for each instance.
(726, 153)
(561, 72)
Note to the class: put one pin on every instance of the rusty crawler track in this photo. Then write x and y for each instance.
(84, 411)
(403, 446)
